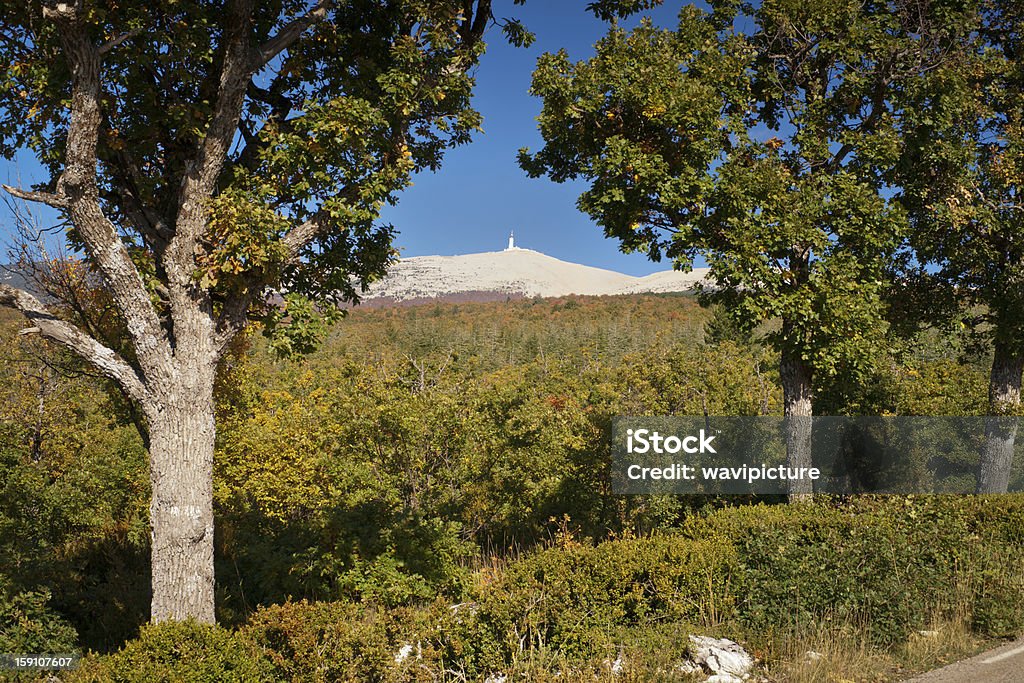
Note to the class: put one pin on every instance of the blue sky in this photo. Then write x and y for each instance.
(480, 193)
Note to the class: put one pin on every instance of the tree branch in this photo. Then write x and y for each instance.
(470, 31)
(235, 316)
(473, 26)
(77, 186)
(237, 71)
(191, 307)
(301, 235)
(114, 42)
(108, 363)
(127, 181)
(48, 198)
(290, 32)
(304, 233)
(280, 107)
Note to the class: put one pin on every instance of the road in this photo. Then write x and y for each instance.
(1004, 664)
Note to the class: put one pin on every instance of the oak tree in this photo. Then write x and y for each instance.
(757, 137)
(962, 173)
(202, 154)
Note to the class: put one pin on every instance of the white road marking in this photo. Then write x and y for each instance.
(1005, 655)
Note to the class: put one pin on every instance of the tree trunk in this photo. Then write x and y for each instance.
(796, 394)
(181, 428)
(1001, 425)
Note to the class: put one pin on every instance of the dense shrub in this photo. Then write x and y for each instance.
(333, 478)
(29, 625)
(420, 438)
(179, 651)
(329, 641)
(73, 522)
(574, 597)
(999, 595)
(889, 562)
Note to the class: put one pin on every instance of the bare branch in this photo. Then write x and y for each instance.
(48, 198)
(77, 185)
(108, 363)
(290, 32)
(114, 42)
(301, 235)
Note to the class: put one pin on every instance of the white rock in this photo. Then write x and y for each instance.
(928, 634)
(496, 678)
(723, 678)
(720, 656)
(688, 667)
(616, 666)
(812, 656)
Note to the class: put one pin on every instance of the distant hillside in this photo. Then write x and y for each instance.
(485, 336)
(512, 274)
(9, 276)
(491, 276)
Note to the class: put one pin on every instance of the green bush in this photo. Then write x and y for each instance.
(179, 652)
(888, 562)
(356, 642)
(574, 597)
(998, 523)
(999, 607)
(28, 624)
(328, 641)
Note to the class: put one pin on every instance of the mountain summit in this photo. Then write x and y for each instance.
(515, 272)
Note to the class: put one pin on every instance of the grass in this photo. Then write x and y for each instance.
(829, 652)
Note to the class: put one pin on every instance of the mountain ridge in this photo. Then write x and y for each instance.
(514, 273)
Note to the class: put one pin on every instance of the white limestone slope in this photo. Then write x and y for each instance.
(667, 281)
(514, 272)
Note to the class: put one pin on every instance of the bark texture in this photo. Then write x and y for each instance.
(796, 394)
(181, 510)
(1001, 425)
